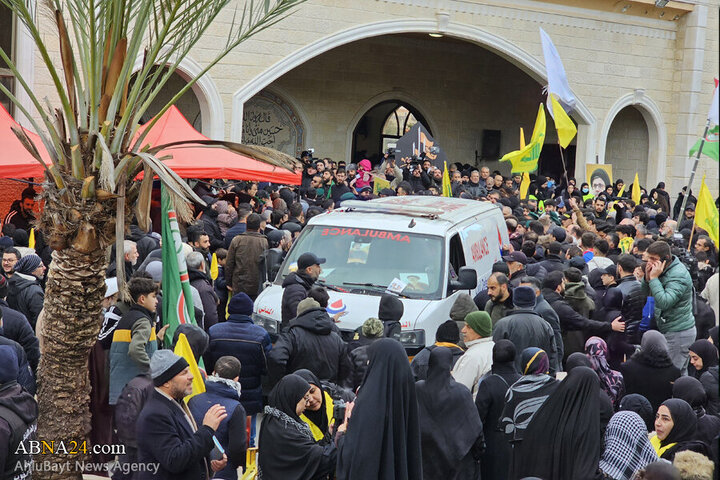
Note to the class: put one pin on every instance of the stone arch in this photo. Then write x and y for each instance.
(207, 94)
(514, 54)
(382, 97)
(657, 133)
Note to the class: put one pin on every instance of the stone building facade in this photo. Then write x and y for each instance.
(328, 75)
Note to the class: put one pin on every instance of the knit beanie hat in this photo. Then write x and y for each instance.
(164, 365)
(9, 362)
(481, 322)
(307, 304)
(372, 328)
(448, 331)
(524, 297)
(241, 304)
(28, 264)
(6, 243)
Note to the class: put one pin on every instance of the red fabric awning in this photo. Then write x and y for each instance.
(209, 162)
(15, 160)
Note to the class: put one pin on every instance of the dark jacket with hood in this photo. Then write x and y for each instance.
(574, 325)
(144, 242)
(311, 343)
(358, 358)
(295, 289)
(553, 263)
(651, 376)
(390, 312)
(239, 337)
(26, 296)
(25, 375)
(16, 327)
(129, 405)
(18, 414)
(525, 328)
(209, 298)
(211, 227)
(633, 302)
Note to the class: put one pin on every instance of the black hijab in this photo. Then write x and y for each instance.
(449, 421)
(383, 434)
(319, 417)
(504, 360)
(684, 421)
(577, 359)
(287, 445)
(567, 431)
(707, 352)
(691, 390)
(640, 405)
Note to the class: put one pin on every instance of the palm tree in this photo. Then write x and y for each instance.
(96, 150)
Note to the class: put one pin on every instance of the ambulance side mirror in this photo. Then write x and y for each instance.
(467, 279)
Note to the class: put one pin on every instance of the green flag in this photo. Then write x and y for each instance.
(177, 303)
(711, 144)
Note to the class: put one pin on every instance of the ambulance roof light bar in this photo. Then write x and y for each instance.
(410, 211)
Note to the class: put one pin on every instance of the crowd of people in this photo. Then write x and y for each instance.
(591, 353)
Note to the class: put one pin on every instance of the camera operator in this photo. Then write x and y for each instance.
(393, 173)
(414, 174)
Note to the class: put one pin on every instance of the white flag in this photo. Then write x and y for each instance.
(557, 80)
(714, 106)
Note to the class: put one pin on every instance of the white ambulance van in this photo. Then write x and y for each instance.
(425, 249)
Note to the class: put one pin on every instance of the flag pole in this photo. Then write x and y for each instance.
(562, 160)
(692, 174)
(691, 235)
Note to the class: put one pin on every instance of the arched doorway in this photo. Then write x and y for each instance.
(326, 123)
(381, 127)
(627, 145)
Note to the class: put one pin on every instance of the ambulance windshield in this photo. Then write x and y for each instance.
(367, 260)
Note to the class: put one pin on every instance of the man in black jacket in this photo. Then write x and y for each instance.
(310, 343)
(627, 293)
(297, 285)
(390, 312)
(543, 308)
(166, 432)
(24, 372)
(202, 283)
(574, 326)
(24, 290)
(209, 223)
(18, 414)
(15, 326)
(553, 261)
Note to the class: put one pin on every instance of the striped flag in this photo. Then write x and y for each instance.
(177, 304)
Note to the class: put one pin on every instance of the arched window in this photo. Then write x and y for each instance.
(381, 127)
(7, 43)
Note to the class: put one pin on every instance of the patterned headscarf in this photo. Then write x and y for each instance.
(611, 381)
(627, 448)
(534, 361)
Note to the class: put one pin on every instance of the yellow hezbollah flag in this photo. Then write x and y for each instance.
(636, 190)
(566, 129)
(525, 183)
(379, 184)
(526, 159)
(31, 239)
(214, 271)
(182, 348)
(706, 213)
(446, 187)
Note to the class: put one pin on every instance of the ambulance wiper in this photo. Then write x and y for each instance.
(330, 287)
(372, 285)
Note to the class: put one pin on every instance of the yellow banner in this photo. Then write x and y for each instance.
(636, 193)
(526, 159)
(446, 186)
(706, 213)
(182, 348)
(565, 127)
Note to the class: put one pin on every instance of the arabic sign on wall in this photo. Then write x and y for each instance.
(269, 121)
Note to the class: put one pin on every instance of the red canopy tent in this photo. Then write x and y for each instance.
(200, 161)
(15, 160)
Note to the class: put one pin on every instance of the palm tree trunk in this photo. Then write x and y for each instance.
(73, 301)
